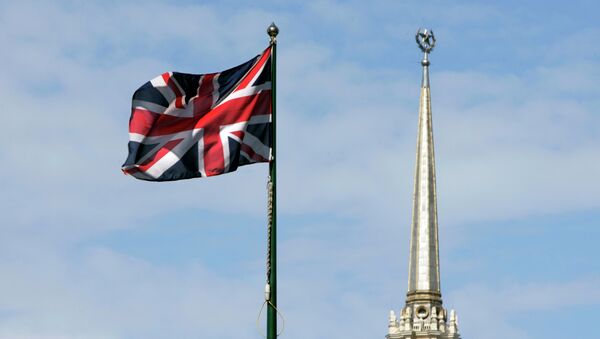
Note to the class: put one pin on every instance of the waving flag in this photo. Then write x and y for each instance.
(186, 125)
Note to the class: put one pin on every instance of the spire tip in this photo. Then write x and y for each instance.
(425, 40)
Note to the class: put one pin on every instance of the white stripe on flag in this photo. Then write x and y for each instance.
(160, 84)
(148, 106)
(246, 92)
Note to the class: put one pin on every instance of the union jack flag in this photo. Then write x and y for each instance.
(198, 125)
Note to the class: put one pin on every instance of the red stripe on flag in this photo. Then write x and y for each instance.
(130, 171)
(141, 121)
(253, 155)
(149, 123)
(239, 134)
(158, 155)
(263, 59)
(204, 100)
(214, 162)
(233, 111)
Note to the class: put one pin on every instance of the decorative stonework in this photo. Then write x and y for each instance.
(422, 322)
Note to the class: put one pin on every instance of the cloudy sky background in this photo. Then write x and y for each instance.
(86, 252)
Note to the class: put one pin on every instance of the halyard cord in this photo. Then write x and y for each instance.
(269, 226)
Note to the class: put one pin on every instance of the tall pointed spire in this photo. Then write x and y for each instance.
(423, 274)
(423, 316)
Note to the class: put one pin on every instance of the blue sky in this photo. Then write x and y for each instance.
(86, 252)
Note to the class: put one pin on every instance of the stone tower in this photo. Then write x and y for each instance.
(423, 316)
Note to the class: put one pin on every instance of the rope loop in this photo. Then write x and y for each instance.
(268, 302)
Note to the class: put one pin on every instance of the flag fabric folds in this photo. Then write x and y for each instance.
(187, 125)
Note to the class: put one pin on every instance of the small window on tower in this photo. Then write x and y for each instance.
(422, 312)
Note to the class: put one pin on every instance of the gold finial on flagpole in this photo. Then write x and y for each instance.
(273, 30)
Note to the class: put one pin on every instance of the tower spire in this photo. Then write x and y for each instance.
(424, 275)
(424, 316)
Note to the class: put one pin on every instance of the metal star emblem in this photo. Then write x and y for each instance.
(425, 39)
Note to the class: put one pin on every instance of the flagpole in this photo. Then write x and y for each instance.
(271, 293)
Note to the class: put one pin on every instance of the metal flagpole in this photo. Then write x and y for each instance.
(271, 290)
